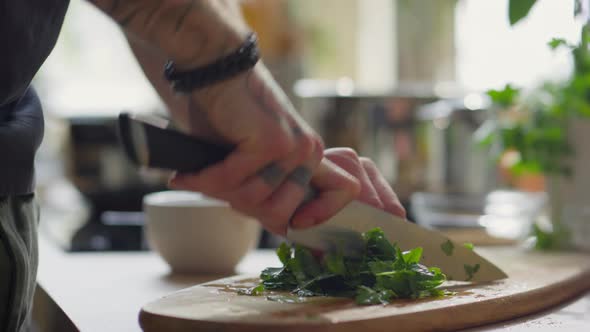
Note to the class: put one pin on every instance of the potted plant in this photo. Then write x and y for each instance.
(546, 137)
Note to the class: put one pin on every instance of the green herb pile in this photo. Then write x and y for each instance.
(382, 273)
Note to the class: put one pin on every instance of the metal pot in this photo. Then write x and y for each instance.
(381, 127)
(418, 141)
(454, 163)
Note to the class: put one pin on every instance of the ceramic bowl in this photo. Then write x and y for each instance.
(197, 234)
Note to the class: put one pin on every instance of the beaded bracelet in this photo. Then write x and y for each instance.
(224, 68)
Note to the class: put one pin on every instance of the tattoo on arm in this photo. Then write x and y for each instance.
(184, 14)
(273, 103)
(125, 20)
(150, 15)
(258, 93)
(200, 123)
(124, 12)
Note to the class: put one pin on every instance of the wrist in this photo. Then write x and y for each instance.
(216, 43)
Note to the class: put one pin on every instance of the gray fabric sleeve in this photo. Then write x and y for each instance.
(18, 261)
(28, 33)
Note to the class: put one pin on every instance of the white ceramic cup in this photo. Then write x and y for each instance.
(197, 234)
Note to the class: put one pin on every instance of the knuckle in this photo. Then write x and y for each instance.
(305, 148)
(279, 145)
(318, 151)
(345, 152)
(366, 162)
(349, 153)
(354, 186)
(319, 143)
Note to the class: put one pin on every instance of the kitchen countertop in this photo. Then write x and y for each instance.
(105, 291)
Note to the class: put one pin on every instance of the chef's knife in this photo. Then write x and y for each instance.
(150, 142)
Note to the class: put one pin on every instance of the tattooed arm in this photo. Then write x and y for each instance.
(277, 153)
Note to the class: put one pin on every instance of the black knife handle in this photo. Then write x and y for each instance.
(170, 149)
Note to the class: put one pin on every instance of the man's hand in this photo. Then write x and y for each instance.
(277, 153)
(374, 189)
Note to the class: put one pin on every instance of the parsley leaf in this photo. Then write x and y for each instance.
(447, 248)
(366, 295)
(284, 253)
(413, 256)
(335, 263)
(470, 270)
(256, 290)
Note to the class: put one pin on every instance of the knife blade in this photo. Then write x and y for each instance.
(456, 260)
(150, 142)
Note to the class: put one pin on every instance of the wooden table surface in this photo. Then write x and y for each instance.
(105, 291)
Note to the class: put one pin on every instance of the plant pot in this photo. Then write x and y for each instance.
(570, 196)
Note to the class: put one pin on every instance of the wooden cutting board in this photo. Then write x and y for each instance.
(536, 281)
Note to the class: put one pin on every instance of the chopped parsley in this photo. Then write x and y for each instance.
(470, 270)
(447, 247)
(382, 273)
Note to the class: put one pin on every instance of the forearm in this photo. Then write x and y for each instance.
(190, 32)
(192, 111)
(152, 64)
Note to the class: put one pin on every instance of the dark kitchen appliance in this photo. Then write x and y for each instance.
(114, 188)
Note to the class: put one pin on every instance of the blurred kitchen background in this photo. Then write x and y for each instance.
(402, 82)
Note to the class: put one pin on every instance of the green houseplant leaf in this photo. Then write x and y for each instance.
(518, 9)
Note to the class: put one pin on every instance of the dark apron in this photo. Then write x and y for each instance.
(21, 131)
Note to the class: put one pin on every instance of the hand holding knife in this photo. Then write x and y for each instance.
(149, 143)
